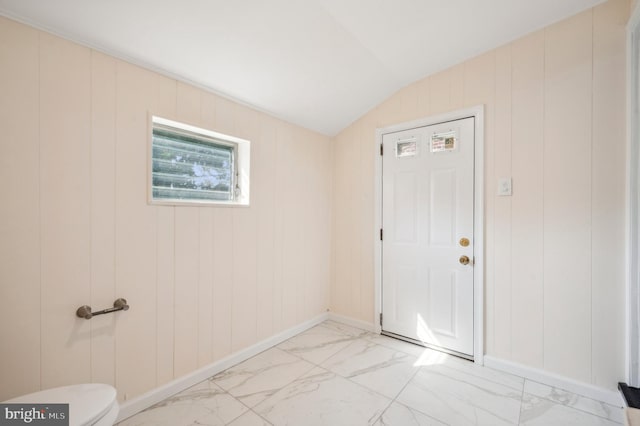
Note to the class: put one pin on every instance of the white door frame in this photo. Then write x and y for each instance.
(632, 370)
(478, 221)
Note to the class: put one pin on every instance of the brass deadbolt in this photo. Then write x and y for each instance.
(464, 242)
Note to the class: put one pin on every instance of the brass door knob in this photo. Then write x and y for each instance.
(464, 260)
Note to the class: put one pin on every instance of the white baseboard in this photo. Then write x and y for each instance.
(352, 322)
(551, 379)
(142, 402)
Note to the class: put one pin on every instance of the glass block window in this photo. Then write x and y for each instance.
(192, 165)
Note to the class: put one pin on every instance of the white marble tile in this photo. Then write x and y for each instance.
(345, 329)
(578, 402)
(376, 367)
(205, 401)
(323, 398)
(284, 386)
(249, 419)
(401, 345)
(455, 397)
(473, 369)
(538, 411)
(255, 379)
(317, 344)
(428, 357)
(401, 415)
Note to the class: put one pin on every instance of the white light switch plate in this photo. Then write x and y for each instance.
(504, 187)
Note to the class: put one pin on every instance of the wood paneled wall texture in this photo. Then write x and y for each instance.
(203, 282)
(75, 226)
(555, 123)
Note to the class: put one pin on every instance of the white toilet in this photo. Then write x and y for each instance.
(89, 404)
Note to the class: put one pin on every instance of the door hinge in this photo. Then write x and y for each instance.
(380, 319)
(381, 149)
(380, 234)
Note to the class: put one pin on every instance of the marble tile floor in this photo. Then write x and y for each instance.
(333, 374)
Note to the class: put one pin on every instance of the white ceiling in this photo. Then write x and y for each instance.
(320, 64)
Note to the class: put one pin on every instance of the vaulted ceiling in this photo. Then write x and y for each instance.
(320, 64)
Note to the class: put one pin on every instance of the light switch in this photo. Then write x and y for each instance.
(504, 187)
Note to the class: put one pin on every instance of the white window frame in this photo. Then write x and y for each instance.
(241, 164)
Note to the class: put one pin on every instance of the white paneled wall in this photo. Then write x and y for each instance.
(76, 228)
(554, 273)
(607, 193)
(567, 185)
(20, 236)
(522, 338)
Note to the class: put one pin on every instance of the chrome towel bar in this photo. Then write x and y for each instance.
(85, 310)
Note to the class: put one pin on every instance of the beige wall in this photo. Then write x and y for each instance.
(202, 283)
(75, 226)
(554, 251)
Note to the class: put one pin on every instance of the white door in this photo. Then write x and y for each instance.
(427, 221)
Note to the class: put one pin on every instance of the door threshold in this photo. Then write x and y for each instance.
(427, 345)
